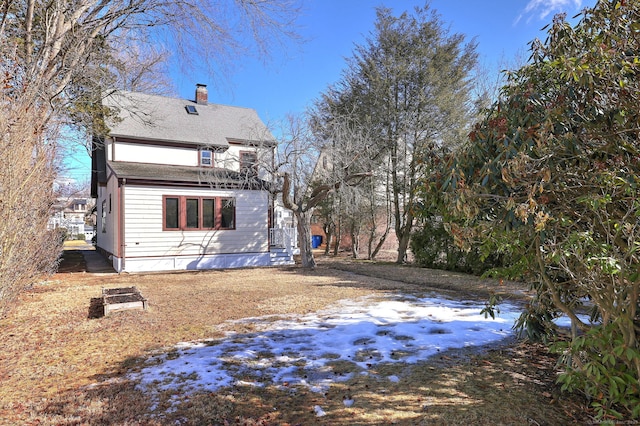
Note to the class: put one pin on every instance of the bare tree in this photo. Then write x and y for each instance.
(27, 170)
(293, 171)
(307, 180)
(379, 210)
(57, 60)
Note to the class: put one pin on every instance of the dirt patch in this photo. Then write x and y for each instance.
(72, 261)
(60, 367)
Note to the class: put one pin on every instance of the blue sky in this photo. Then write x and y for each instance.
(295, 77)
(298, 74)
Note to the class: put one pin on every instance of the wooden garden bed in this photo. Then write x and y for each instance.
(120, 299)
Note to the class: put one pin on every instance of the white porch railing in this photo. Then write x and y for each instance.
(286, 238)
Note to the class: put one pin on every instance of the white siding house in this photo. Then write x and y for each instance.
(179, 186)
(71, 214)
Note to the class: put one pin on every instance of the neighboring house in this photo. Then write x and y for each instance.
(179, 186)
(70, 214)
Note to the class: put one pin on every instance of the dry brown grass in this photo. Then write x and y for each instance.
(58, 366)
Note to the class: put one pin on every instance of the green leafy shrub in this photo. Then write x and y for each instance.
(434, 247)
(555, 167)
(601, 365)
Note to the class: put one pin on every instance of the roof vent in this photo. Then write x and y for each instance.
(202, 95)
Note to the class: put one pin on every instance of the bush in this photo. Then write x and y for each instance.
(601, 365)
(552, 173)
(433, 247)
(27, 252)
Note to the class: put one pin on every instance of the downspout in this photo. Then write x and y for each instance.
(272, 200)
(270, 219)
(121, 223)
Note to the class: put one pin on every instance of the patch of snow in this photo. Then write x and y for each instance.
(298, 351)
(319, 411)
(565, 321)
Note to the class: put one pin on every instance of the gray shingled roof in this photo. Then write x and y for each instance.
(153, 117)
(184, 174)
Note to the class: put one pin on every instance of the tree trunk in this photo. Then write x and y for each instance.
(388, 214)
(329, 229)
(327, 243)
(404, 235)
(355, 240)
(337, 237)
(303, 220)
(381, 241)
(403, 244)
(370, 238)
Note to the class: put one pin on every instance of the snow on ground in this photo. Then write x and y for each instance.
(300, 350)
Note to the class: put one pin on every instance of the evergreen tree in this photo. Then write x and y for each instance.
(410, 85)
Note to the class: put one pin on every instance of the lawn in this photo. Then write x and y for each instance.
(60, 365)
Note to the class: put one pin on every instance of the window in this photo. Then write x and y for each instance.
(227, 213)
(208, 213)
(171, 213)
(206, 157)
(198, 213)
(103, 216)
(249, 162)
(191, 109)
(193, 212)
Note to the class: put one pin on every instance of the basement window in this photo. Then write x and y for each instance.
(191, 109)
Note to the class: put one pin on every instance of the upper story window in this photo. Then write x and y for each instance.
(206, 157)
(249, 162)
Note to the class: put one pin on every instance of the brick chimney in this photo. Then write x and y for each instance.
(202, 96)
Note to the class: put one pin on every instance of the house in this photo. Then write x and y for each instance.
(70, 214)
(180, 184)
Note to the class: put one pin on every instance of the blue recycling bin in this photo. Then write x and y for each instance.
(316, 240)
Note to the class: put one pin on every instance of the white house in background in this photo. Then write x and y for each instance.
(179, 186)
(71, 214)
